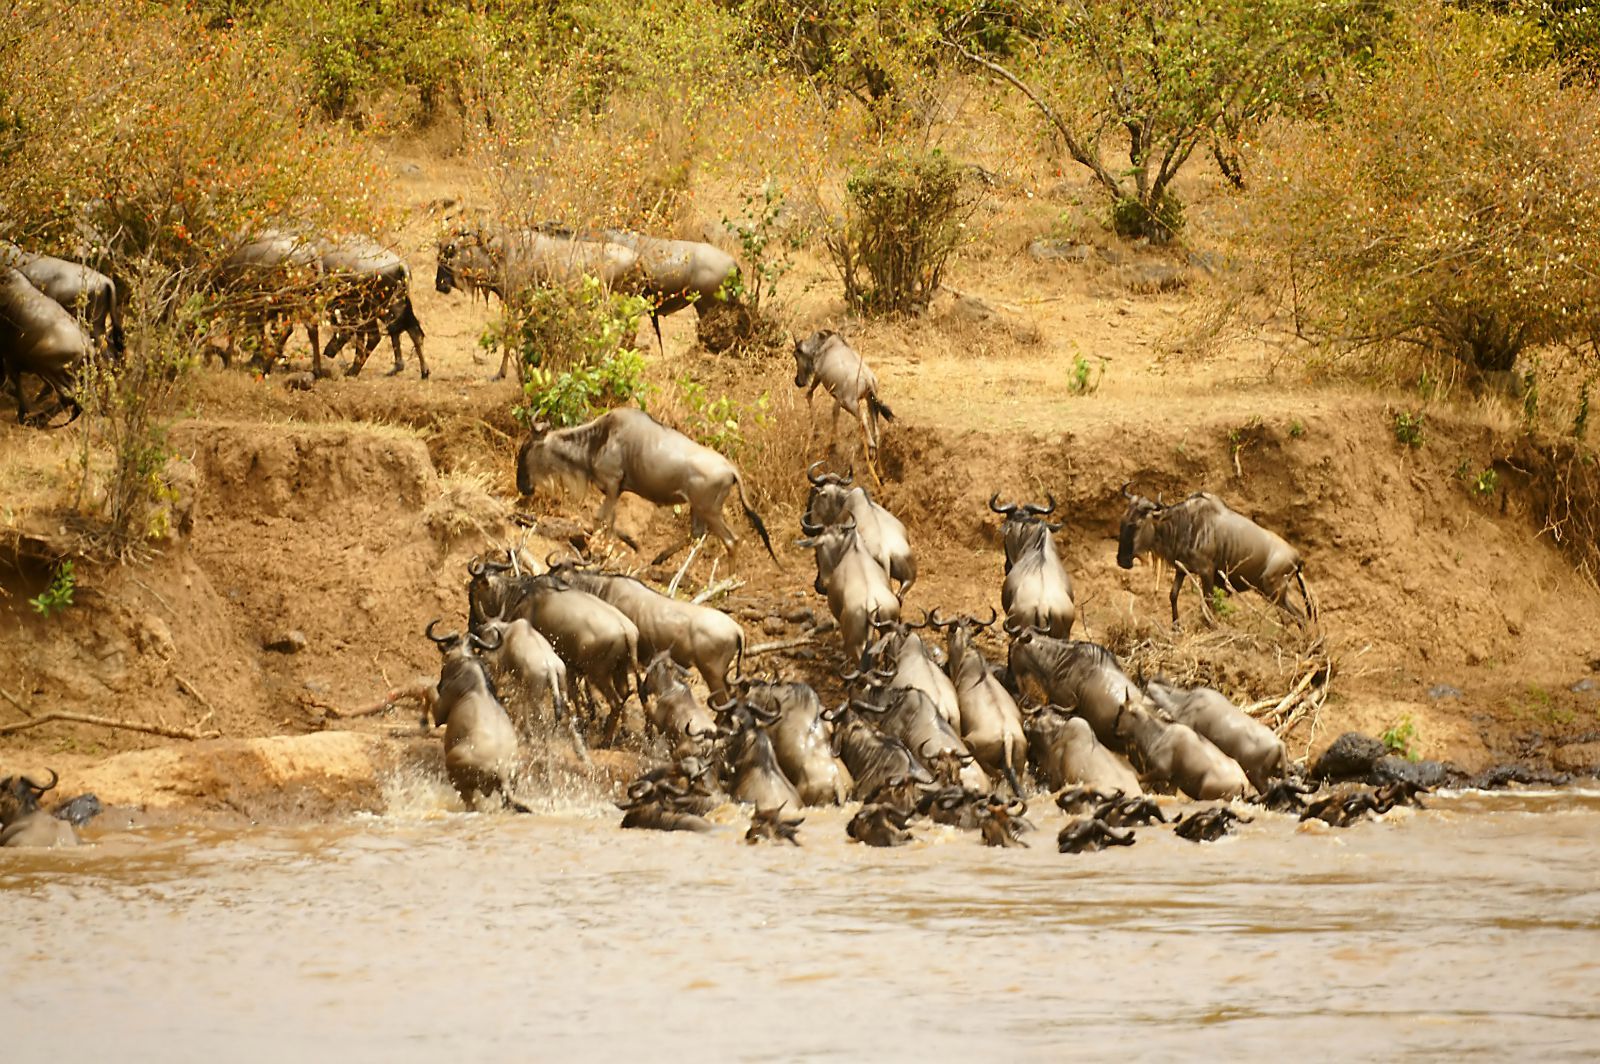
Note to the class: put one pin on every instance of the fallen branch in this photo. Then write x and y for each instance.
(26, 710)
(722, 587)
(107, 722)
(190, 688)
(784, 644)
(422, 690)
(677, 578)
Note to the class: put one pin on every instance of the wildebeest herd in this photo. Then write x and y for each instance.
(928, 726)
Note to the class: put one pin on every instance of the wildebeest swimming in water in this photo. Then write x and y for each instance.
(1088, 835)
(879, 825)
(1208, 825)
(770, 825)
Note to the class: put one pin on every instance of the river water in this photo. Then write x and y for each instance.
(1470, 930)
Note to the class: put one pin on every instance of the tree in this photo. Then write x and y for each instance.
(1447, 203)
(1171, 76)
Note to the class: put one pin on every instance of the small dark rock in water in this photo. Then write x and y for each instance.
(1089, 835)
(1428, 774)
(1506, 775)
(79, 811)
(290, 642)
(1443, 690)
(1208, 825)
(1351, 757)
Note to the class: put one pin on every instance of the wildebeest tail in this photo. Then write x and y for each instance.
(880, 407)
(755, 520)
(738, 655)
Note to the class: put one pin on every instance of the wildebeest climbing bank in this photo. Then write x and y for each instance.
(1186, 575)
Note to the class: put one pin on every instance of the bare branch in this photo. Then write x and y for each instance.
(108, 722)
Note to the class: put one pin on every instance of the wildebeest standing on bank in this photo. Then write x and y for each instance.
(857, 587)
(674, 274)
(368, 286)
(481, 260)
(38, 337)
(1203, 537)
(834, 500)
(86, 294)
(271, 280)
(628, 450)
(826, 359)
(1037, 592)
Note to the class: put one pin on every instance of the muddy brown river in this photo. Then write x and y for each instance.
(1470, 930)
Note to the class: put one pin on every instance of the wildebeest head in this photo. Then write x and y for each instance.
(1137, 533)
(805, 355)
(464, 262)
(20, 796)
(663, 675)
(493, 590)
(830, 496)
(546, 456)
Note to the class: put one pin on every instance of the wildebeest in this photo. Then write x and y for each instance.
(908, 714)
(874, 760)
(38, 337)
(1088, 835)
(1066, 754)
(835, 501)
(772, 826)
(531, 672)
(879, 825)
(827, 360)
(23, 823)
(1203, 537)
(1084, 678)
(1122, 811)
(907, 661)
(698, 637)
(627, 450)
(480, 742)
(674, 274)
(672, 709)
(1252, 744)
(1001, 824)
(369, 286)
(1037, 592)
(597, 641)
(271, 280)
(509, 263)
(757, 778)
(1177, 754)
(661, 806)
(86, 294)
(991, 724)
(857, 587)
(1208, 825)
(802, 738)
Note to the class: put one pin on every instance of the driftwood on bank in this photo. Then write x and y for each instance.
(108, 722)
(422, 690)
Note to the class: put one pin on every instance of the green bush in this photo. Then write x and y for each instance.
(905, 217)
(574, 349)
(1443, 205)
(58, 596)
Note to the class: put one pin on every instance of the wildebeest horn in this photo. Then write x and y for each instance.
(832, 715)
(1126, 494)
(867, 707)
(475, 568)
(1008, 509)
(1042, 511)
(38, 790)
(932, 617)
(483, 644)
(808, 528)
(849, 477)
(1159, 501)
(690, 733)
(442, 640)
(925, 621)
(993, 616)
(811, 475)
(1011, 629)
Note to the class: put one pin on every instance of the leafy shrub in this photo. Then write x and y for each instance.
(720, 423)
(1441, 207)
(1400, 739)
(906, 216)
(1408, 428)
(58, 596)
(575, 353)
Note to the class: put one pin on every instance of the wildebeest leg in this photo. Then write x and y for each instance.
(336, 342)
(869, 445)
(1177, 586)
(369, 343)
(316, 350)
